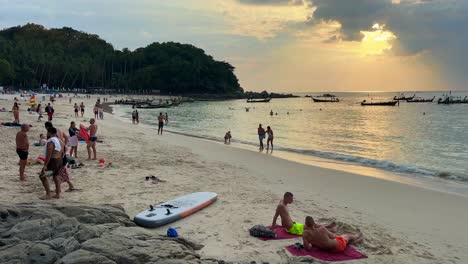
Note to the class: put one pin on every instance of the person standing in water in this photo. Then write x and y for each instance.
(269, 132)
(166, 119)
(261, 135)
(160, 123)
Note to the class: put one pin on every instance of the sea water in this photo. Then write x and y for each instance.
(422, 139)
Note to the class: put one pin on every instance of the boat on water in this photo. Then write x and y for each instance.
(152, 106)
(389, 103)
(453, 100)
(420, 100)
(326, 98)
(265, 100)
(402, 97)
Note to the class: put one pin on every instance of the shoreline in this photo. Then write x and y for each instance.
(431, 182)
(402, 223)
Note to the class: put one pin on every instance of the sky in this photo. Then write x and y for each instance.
(285, 45)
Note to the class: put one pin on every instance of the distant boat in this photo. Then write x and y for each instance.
(420, 100)
(251, 100)
(326, 98)
(453, 100)
(402, 97)
(150, 106)
(390, 103)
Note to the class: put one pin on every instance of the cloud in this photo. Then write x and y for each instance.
(271, 2)
(436, 28)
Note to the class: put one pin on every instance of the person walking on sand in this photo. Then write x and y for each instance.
(52, 164)
(73, 141)
(76, 107)
(318, 236)
(39, 112)
(269, 132)
(50, 112)
(15, 111)
(96, 112)
(271, 112)
(92, 138)
(82, 108)
(22, 149)
(291, 227)
(261, 135)
(160, 123)
(101, 113)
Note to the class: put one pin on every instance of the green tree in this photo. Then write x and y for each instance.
(6, 73)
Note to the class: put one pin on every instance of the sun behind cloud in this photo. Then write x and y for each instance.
(377, 40)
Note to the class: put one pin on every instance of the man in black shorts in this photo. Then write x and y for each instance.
(22, 148)
(160, 123)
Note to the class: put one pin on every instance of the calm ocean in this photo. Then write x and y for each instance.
(421, 139)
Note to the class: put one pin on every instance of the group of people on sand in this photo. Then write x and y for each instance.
(98, 112)
(54, 156)
(313, 234)
(261, 136)
(79, 108)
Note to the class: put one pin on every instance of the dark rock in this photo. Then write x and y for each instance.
(73, 233)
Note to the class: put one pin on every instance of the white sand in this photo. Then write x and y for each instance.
(402, 223)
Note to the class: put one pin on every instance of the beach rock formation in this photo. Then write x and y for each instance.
(73, 233)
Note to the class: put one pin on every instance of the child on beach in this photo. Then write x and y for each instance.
(227, 138)
(42, 140)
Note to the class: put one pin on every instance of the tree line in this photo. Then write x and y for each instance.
(31, 55)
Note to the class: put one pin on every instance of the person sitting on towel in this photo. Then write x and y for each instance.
(318, 236)
(286, 221)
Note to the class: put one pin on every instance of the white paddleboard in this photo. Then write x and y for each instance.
(174, 210)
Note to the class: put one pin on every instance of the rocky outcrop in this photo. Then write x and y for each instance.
(73, 233)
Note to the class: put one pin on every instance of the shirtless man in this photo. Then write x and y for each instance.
(22, 148)
(82, 108)
(53, 163)
(160, 123)
(286, 220)
(62, 136)
(318, 236)
(92, 138)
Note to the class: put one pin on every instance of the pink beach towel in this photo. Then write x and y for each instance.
(350, 253)
(281, 233)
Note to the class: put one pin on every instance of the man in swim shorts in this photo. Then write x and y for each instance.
(53, 163)
(92, 138)
(318, 236)
(286, 221)
(160, 123)
(22, 148)
(261, 135)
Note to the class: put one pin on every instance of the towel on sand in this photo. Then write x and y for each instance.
(281, 233)
(350, 253)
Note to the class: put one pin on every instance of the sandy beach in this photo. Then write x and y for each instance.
(401, 223)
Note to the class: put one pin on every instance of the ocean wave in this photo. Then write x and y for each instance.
(374, 163)
(386, 165)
